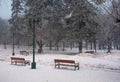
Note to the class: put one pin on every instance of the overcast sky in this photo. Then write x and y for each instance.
(5, 9)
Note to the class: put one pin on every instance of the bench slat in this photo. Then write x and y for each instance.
(17, 58)
(64, 61)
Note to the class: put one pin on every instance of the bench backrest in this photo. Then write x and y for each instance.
(17, 58)
(64, 61)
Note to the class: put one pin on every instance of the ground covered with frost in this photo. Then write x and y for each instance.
(98, 67)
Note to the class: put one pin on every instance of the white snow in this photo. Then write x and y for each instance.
(101, 67)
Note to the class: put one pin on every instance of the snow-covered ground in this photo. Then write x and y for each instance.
(101, 67)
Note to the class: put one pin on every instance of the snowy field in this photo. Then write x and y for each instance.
(98, 67)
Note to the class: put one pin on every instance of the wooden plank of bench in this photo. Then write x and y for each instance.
(64, 61)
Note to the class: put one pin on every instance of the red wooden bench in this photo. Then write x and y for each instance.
(24, 53)
(16, 60)
(92, 52)
(61, 62)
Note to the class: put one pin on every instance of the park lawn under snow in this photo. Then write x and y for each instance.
(101, 67)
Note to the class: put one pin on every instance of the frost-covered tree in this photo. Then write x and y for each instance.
(51, 13)
(115, 17)
(15, 20)
(111, 25)
(81, 11)
(62, 21)
(35, 10)
(4, 32)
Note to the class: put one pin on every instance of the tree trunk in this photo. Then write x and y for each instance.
(95, 45)
(109, 49)
(91, 47)
(18, 45)
(63, 46)
(109, 46)
(117, 47)
(57, 47)
(80, 47)
(28, 44)
(50, 45)
(71, 45)
(5, 46)
(40, 44)
(86, 45)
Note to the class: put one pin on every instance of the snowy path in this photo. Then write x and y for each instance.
(11, 73)
(101, 67)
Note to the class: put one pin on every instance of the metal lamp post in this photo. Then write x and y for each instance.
(13, 44)
(33, 63)
(33, 20)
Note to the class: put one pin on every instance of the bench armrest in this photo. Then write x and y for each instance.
(77, 64)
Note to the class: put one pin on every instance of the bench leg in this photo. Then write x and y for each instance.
(15, 62)
(77, 67)
(57, 66)
(74, 68)
(27, 62)
(11, 62)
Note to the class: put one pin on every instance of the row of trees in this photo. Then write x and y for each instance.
(110, 24)
(4, 32)
(71, 21)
